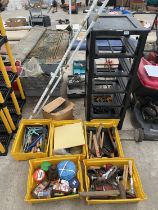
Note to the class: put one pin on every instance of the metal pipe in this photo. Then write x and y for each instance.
(70, 12)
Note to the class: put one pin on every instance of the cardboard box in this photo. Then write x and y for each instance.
(15, 22)
(59, 109)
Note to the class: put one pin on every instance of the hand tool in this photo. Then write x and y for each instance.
(99, 133)
(102, 140)
(113, 143)
(125, 176)
(131, 191)
(121, 188)
(93, 167)
(110, 172)
(96, 146)
(109, 193)
(89, 131)
(92, 178)
(105, 152)
(90, 139)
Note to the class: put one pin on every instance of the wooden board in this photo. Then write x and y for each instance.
(16, 35)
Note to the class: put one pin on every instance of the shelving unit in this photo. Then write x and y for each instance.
(10, 105)
(110, 70)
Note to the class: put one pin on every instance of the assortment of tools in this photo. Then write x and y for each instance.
(35, 138)
(55, 180)
(76, 86)
(110, 182)
(102, 142)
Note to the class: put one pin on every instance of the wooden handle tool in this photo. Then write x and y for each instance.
(99, 133)
(131, 178)
(130, 168)
(96, 146)
(90, 139)
(113, 143)
(102, 140)
(108, 193)
(125, 176)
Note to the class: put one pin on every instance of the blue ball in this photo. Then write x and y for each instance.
(66, 170)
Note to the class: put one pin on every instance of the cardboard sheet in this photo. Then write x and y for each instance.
(67, 136)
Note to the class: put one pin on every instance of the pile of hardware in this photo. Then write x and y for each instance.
(55, 180)
(76, 86)
(102, 142)
(111, 182)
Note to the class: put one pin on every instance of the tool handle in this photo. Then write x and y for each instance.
(90, 139)
(130, 167)
(96, 146)
(122, 190)
(125, 176)
(113, 142)
(102, 140)
(98, 133)
(111, 193)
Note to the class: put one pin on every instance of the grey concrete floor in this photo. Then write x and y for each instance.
(13, 174)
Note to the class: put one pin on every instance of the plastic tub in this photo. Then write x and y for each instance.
(17, 152)
(106, 124)
(140, 195)
(60, 123)
(34, 164)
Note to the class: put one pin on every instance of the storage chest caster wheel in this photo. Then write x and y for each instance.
(139, 135)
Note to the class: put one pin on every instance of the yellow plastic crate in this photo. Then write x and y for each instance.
(34, 164)
(140, 195)
(60, 123)
(107, 124)
(17, 152)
